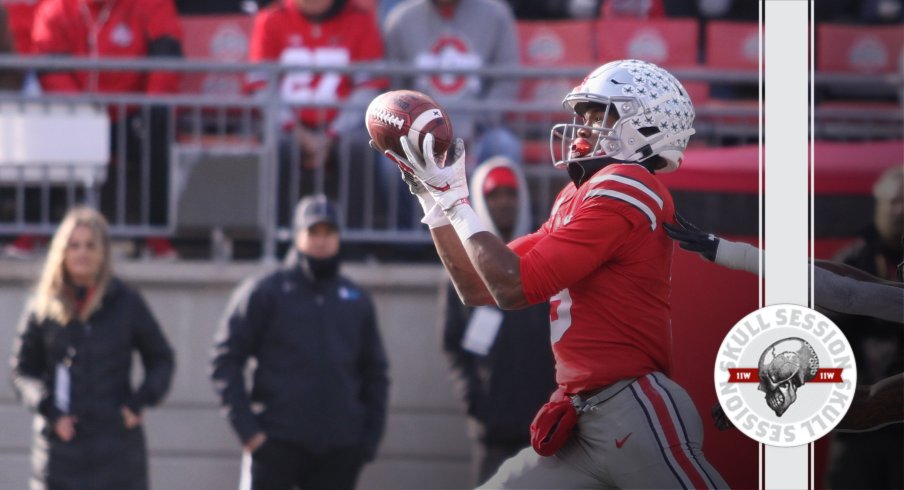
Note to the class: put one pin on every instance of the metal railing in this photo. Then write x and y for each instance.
(185, 164)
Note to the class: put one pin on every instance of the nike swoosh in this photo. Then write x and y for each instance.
(443, 188)
(621, 443)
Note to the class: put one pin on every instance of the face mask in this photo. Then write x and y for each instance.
(321, 269)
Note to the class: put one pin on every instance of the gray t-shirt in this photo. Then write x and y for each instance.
(480, 33)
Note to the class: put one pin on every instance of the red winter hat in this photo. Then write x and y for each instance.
(499, 177)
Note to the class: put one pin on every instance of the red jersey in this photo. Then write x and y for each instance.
(21, 14)
(281, 32)
(604, 262)
(98, 28)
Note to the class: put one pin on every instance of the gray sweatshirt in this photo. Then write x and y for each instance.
(480, 33)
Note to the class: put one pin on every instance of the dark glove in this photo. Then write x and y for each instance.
(719, 417)
(691, 238)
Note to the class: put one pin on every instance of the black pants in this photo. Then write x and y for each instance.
(100, 457)
(136, 191)
(867, 460)
(279, 465)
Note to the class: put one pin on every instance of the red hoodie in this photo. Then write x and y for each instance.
(99, 28)
(21, 14)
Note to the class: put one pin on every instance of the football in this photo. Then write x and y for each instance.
(398, 113)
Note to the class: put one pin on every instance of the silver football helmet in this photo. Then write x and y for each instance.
(653, 115)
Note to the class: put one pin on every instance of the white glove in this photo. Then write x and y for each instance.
(446, 183)
(433, 215)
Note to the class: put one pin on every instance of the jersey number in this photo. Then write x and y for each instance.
(559, 315)
(309, 86)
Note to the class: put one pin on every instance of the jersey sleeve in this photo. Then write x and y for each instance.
(164, 36)
(593, 236)
(262, 47)
(162, 20)
(619, 205)
(524, 244)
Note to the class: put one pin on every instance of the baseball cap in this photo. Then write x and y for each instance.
(500, 177)
(315, 209)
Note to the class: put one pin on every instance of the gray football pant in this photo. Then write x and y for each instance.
(646, 434)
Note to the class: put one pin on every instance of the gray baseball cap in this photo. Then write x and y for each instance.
(315, 209)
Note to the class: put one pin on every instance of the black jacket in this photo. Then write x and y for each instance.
(504, 389)
(99, 355)
(867, 254)
(320, 380)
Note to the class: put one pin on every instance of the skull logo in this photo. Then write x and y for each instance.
(784, 367)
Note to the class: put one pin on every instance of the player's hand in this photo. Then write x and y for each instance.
(414, 186)
(691, 238)
(719, 417)
(446, 183)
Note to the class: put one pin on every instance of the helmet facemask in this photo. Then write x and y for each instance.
(583, 140)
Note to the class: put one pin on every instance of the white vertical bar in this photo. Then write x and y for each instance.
(786, 226)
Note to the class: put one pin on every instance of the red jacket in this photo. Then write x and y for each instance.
(20, 14)
(282, 33)
(98, 28)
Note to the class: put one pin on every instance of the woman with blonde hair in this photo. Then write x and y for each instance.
(72, 363)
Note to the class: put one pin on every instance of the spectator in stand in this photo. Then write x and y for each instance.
(318, 34)
(500, 359)
(460, 34)
(21, 14)
(72, 365)
(120, 28)
(384, 7)
(873, 459)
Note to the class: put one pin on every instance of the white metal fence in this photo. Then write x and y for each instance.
(193, 164)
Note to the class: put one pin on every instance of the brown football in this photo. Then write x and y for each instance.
(398, 113)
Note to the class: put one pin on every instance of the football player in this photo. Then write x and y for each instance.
(839, 288)
(602, 259)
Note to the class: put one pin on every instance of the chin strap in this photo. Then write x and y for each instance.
(580, 172)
